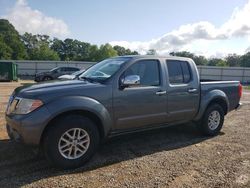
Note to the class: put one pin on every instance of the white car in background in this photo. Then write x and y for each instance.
(71, 76)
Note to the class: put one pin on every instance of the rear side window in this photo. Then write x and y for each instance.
(73, 69)
(70, 69)
(186, 71)
(178, 71)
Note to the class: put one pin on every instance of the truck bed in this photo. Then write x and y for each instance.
(230, 88)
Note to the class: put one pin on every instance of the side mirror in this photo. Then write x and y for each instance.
(131, 80)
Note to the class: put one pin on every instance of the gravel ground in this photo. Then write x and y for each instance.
(171, 157)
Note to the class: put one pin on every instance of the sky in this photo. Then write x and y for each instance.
(213, 28)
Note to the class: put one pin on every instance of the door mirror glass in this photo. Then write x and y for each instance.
(131, 80)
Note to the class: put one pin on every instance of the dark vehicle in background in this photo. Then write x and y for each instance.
(72, 76)
(54, 73)
(69, 119)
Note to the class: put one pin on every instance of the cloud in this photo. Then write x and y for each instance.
(26, 19)
(238, 25)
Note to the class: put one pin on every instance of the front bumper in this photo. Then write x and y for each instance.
(28, 128)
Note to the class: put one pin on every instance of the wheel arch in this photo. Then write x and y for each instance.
(84, 106)
(213, 97)
(221, 102)
(92, 116)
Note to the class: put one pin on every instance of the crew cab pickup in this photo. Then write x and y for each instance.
(69, 119)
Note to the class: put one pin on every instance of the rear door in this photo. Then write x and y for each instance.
(183, 90)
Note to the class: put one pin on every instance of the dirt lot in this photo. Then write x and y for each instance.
(171, 157)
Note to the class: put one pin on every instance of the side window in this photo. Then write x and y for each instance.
(63, 69)
(186, 71)
(59, 69)
(148, 70)
(178, 71)
(72, 69)
(68, 69)
(174, 72)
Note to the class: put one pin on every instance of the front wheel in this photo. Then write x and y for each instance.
(212, 120)
(71, 141)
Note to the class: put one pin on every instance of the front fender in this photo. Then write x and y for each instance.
(70, 103)
(208, 98)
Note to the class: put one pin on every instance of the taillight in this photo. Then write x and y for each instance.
(240, 90)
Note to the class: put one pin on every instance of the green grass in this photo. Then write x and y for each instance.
(247, 87)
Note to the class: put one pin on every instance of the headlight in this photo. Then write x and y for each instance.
(23, 106)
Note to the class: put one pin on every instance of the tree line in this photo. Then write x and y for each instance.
(231, 60)
(14, 46)
(42, 47)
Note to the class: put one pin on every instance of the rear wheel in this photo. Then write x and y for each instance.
(212, 120)
(71, 141)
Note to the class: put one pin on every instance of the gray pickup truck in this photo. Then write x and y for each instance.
(69, 119)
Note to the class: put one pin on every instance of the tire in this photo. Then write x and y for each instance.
(9, 132)
(62, 154)
(212, 121)
(47, 78)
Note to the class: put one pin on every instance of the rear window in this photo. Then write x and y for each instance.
(179, 72)
(186, 71)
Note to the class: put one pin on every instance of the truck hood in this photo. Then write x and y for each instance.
(50, 87)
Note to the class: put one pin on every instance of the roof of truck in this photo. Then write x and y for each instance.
(156, 56)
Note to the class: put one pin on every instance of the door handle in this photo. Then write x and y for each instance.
(192, 90)
(161, 93)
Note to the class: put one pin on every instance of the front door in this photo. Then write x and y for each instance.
(143, 104)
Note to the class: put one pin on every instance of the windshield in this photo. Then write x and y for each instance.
(104, 69)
